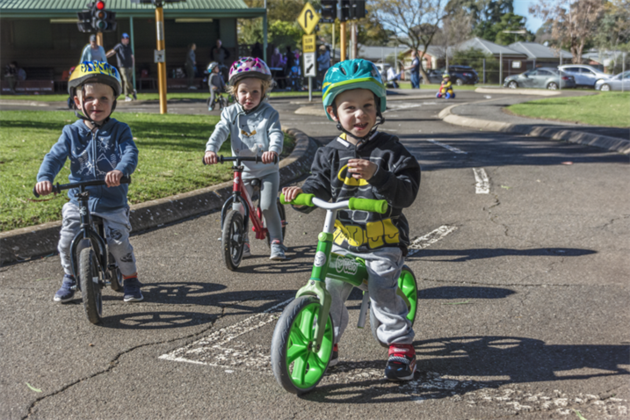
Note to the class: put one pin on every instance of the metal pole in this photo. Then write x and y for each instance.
(159, 27)
(265, 35)
(396, 58)
(333, 43)
(353, 34)
(310, 89)
(343, 41)
(559, 73)
(484, 70)
(623, 70)
(99, 38)
(133, 51)
(500, 69)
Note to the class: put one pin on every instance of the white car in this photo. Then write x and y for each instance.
(619, 82)
(584, 75)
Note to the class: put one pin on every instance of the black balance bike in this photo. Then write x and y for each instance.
(92, 264)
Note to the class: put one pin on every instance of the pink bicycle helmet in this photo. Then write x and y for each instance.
(248, 67)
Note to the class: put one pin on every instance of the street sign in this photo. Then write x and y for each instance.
(310, 66)
(309, 43)
(159, 56)
(308, 18)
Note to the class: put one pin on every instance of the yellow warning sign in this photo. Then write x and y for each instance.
(308, 18)
(309, 43)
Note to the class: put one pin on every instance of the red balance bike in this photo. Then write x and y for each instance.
(233, 224)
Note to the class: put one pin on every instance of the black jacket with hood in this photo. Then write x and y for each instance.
(396, 180)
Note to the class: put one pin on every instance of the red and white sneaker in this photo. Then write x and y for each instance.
(334, 359)
(401, 365)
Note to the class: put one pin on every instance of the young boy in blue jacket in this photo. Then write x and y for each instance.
(99, 148)
(363, 162)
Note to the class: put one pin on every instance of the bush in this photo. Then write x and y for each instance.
(474, 58)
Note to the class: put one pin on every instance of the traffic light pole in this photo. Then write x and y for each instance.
(342, 41)
(99, 38)
(159, 26)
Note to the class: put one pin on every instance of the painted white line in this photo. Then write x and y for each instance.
(446, 146)
(429, 239)
(482, 183)
(401, 107)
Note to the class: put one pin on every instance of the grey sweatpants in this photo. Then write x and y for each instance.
(268, 196)
(384, 266)
(116, 227)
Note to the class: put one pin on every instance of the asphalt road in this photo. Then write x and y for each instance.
(523, 301)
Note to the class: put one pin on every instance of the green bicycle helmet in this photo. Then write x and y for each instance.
(353, 74)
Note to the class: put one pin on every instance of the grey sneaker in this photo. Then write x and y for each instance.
(277, 251)
(247, 252)
(66, 292)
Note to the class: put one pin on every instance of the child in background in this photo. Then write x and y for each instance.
(254, 128)
(215, 83)
(446, 88)
(99, 148)
(365, 163)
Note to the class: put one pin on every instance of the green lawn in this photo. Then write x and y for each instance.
(610, 109)
(146, 96)
(171, 147)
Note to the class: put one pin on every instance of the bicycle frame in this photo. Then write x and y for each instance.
(240, 195)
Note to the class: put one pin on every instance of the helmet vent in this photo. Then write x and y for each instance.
(355, 68)
(343, 70)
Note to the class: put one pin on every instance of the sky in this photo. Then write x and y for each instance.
(521, 8)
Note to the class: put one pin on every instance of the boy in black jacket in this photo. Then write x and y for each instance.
(365, 163)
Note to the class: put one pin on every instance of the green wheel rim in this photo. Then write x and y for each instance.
(407, 284)
(305, 366)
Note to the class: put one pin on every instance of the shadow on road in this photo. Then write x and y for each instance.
(479, 253)
(478, 362)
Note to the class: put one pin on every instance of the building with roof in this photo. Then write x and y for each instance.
(42, 36)
(539, 55)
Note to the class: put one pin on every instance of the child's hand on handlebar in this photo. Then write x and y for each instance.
(112, 178)
(211, 158)
(43, 187)
(291, 192)
(362, 168)
(268, 157)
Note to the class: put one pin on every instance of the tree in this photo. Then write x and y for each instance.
(614, 28)
(414, 22)
(573, 22)
(474, 58)
(510, 22)
(456, 28)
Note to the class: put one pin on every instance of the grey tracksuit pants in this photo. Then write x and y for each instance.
(268, 196)
(116, 227)
(384, 266)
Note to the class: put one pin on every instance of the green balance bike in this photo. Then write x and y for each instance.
(302, 341)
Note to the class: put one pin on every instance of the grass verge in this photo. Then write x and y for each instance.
(611, 109)
(171, 147)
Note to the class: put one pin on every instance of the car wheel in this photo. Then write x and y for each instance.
(605, 88)
(512, 85)
(552, 86)
(459, 82)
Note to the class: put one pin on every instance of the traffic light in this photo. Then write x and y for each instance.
(328, 11)
(356, 9)
(85, 21)
(342, 10)
(102, 20)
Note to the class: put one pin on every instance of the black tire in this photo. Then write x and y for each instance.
(410, 280)
(552, 86)
(233, 239)
(282, 341)
(115, 276)
(512, 84)
(90, 285)
(283, 220)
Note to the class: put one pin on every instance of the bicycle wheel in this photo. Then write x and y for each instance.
(90, 285)
(115, 276)
(233, 239)
(407, 283)
(283, 220)
(296, 367)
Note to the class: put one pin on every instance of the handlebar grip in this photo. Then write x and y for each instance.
(125, 180)
(367, 204)
(300, 200)
(35, 192)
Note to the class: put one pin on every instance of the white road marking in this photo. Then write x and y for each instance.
(399, 107)
(446, 146)
(482, 185)
(429, 239)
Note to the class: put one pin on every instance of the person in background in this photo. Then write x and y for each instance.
(392, 76)
(126, 64)
(219, 53)
(415, 70)
(257, 51)
(278, 62)
(11, 76)
(93, 51)
(323, 62)
(191, 62)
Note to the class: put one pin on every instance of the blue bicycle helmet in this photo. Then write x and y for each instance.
(353, 74)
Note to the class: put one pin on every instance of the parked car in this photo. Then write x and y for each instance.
(614, 83)
(584, 75)
(544, 78)
(460, 75)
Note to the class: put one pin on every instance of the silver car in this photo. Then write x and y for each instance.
(618, 82)
(544, 77)
(584, 75)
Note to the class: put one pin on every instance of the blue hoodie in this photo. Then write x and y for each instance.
(92, 156)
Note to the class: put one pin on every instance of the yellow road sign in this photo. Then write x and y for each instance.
(308, 18)
(308, 43)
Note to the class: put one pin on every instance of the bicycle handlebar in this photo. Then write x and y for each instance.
(60, 187)
(364, 204)
(257, 159)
